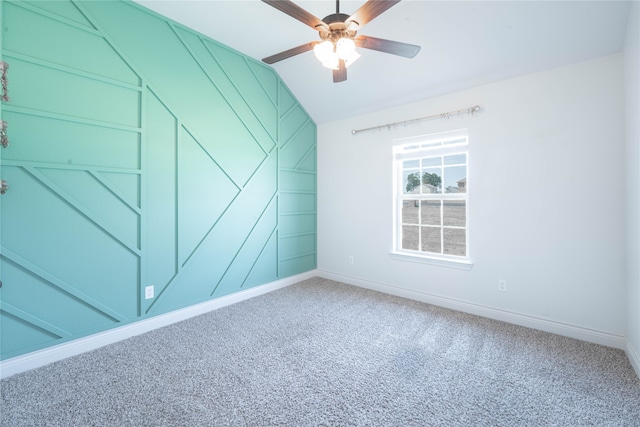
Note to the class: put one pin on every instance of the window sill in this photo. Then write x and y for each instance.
(442, 262)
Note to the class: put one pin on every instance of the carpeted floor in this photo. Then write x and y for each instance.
(321, 353)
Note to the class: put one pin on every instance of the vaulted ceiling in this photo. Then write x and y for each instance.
(464, 44)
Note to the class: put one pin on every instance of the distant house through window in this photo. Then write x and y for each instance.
(431, 196)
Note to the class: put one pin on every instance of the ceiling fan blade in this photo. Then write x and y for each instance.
(340, 74)
(295, 11)
(289, 53)
(370, 10)
(387, 46)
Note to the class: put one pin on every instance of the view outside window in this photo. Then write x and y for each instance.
(432, 196)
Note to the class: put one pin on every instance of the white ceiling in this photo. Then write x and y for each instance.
(464, 44)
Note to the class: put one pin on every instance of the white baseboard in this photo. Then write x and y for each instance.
(572, 331)
(633, 357)
(52, 354)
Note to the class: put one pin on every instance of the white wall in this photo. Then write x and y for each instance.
(547, 207)
(632, 107)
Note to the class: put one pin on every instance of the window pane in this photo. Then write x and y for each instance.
(455, 213)
(410, 211)
(431, 161)
(410, 237)
(431, 144)
(431, 239)
(410, 147)
(455, 241)
(431, 180)
(411, 181)
(455, 159)
(410, 164)
(456, 141)
(430, 212)
(455, 179)
(432, 195)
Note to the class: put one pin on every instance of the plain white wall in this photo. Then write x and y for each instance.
(547, 207)
(632, 109)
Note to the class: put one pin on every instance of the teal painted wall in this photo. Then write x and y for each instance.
(142, 153)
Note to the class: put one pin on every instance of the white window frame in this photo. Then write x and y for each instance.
(439, 144)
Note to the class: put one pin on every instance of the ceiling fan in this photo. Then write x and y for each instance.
(337, 46)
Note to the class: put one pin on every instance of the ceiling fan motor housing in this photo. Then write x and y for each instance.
(338, 28)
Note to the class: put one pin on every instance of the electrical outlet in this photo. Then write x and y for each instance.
(502, 285)
(148, 292)
(350, 259)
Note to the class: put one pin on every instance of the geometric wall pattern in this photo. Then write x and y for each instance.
(141, 153)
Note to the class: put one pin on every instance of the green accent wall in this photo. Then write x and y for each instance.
(141, 153)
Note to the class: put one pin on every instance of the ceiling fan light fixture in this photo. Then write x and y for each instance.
(345, 48)
(351, 59)
(323, 50)
(332, 61)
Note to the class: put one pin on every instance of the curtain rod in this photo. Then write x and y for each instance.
(470, 110)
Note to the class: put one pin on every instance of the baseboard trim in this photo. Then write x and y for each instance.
(52, 354)
(559, 328)
(633, 357)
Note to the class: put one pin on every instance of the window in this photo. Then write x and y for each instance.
(432, 197)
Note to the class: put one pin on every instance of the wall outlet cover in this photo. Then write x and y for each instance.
(502, 285)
